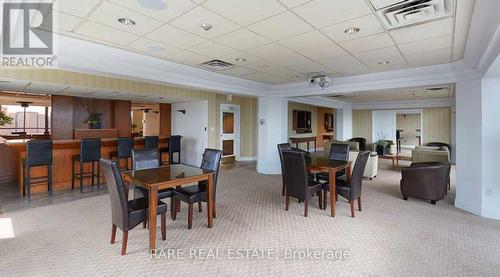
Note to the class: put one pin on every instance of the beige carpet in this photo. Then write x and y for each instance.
(390, 237)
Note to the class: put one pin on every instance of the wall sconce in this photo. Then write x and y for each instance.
(182, 111)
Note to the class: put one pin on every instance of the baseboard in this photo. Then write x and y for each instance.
(467, 207)
(490, 214)
(246, 159)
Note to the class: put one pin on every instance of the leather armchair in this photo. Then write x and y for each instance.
(361, 142)
(428, 181)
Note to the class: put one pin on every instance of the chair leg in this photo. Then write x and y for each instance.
(190, 215)
(325, 199)
(172, 210)
(73, 174)
(178, 206)
(163, 226)
(199, 207)
(28, 182)
(320, 200)
(113, 233)
(49, 177)
(124, 243)
(287, 200)
(145, 223)
(98, 175)
(92, 175)
(81, 177)
(306, 207)
(359, 203)
(283, 190)
(214, 210)
(24, 180)
(405, 197)
(351, 203)
(433, 202)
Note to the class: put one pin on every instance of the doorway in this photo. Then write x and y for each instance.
(230, 131)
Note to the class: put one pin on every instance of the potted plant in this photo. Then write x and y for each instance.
(94, 121)
(381, 147)
(5, 119)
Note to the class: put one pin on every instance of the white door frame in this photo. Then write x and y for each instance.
(236, 136)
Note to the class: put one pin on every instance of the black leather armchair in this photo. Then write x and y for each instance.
(428, 181)
(296, 177)
(125, 215)
(361, 142)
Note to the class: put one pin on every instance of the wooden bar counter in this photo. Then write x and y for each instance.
(62, 153)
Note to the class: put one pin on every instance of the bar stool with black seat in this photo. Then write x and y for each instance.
(124, 151)
(174, 146)
(90, 152)
(38, 153)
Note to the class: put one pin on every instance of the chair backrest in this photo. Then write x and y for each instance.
(116, 189)
(439, 144)
(144, 159)
(174, 144)
(90, 150)
(39, 152)
(361, 142)
(125, 146)
(339, 151)
(357, 174)
(211, 161)
(295, 173)
(281, 147)
(151, 142)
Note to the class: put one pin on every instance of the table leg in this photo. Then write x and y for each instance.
(333, 191)
(314, 145)
(153, 206)
(210, 200)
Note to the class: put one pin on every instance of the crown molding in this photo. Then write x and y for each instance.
(405, 104)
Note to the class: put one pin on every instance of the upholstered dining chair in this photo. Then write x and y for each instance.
(198, 193)
(144, 159)
(351, 190)
(126, 214)
(296, 177)
(281, 147)
(338, 151)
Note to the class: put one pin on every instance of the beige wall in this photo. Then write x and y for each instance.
(362, 124)
(302, 107)
(408, 123)
(437, 125)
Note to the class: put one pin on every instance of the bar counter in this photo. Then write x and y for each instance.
(62, 153)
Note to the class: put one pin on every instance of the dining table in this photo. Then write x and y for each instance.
(324, 164)
(169, 176)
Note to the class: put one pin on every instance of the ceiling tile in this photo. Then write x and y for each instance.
(192, 20)
(395, 62)
(306, 41)
(424, 58)
(251, 61)
(175, 37)
(432, 29)
(308, 67)
(147, 46)
(187, 57)
(109, 13)
(266, 78)
(105, 33)
(324, 52)
(368, 43)
(67, 22)
(347, 65)
(277, 54)
(212, 49)
(242, 39)
(426, 45)
(245, 12)
(82, 9)
(322, 13)
(380, 54)
(368, 25)
(238, 71)
(173, 10)
(281, 26)
(378, 4)
(294, 3)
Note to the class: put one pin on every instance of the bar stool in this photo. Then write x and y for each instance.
(174, 146)
(124, 151)
(90, 152)
(38, 153)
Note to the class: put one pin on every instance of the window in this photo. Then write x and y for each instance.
(34, 116)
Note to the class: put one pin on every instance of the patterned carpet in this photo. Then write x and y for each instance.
(390, 237)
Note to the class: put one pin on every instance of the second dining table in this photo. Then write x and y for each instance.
(169, 176)
(323, 164)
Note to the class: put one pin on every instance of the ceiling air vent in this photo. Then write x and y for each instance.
(412, 12)
(217, 65)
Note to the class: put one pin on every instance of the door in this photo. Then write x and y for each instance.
(230, 130)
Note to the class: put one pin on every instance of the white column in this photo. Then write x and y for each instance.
(343, 122)
(272, 130)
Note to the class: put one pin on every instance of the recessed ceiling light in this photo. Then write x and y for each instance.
(155, 49)
(156, 5)
(240, 59)
(206, 26)
(126, 21)
(384, 62)
(295, 76)
(351, 31)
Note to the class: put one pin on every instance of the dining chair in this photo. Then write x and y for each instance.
(198, 193)
(124, 147)
(338, 151)
(38, 153)
(351, 189)
(296, 177)
(126, 214)
(174, 146)
(281, 147)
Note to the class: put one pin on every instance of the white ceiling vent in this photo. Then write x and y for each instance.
(217, 65)
(411, 12)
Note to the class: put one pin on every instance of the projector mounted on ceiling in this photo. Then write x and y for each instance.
(321, 79)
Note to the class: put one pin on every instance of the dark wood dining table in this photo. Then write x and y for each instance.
(169, 176)
(323, 164)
